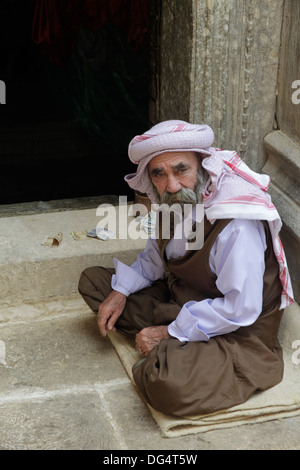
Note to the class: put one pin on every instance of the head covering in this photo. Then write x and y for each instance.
(167, 136)
(232, 190)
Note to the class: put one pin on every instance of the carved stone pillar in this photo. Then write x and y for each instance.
(219, 66)
(176, 49)
(283, 166)
(283, 145)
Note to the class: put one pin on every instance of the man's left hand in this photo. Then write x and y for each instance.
(150, 337)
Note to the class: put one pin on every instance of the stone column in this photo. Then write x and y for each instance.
(283, 145)
(176, 51)
(219, 66)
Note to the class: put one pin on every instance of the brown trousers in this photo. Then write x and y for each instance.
(191, 378)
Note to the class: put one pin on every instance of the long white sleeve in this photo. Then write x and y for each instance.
(147, 268)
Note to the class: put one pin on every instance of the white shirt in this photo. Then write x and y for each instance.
(236, 258)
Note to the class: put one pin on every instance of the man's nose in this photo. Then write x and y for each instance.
(173, 184)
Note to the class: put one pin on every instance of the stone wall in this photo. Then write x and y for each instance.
(283, 166)
(288, 107)
(176, 59)
(283, 144)
(219, 66)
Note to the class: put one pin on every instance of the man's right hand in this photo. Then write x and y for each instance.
(110, 310)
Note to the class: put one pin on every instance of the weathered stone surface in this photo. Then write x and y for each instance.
(67, 351)
(64, 388)
(176, 56)
(30, 271)
(56, 423)
(283, 166)
(288, 109)
(56, 205)
(224, 71)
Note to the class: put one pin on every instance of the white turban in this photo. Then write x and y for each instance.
(167, 136)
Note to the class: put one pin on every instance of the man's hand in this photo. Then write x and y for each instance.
(150, 337)
(110, 310)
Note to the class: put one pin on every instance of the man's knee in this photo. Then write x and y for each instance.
(162, 394)
(84, 280)
(94, 285)
(95, 278)
(162, 389)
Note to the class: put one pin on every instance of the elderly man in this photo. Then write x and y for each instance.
(206, 320)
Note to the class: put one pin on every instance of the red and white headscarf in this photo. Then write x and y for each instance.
(233, 190)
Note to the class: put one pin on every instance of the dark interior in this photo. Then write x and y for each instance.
(77, 90)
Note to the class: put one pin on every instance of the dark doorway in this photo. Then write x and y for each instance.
(77, 90)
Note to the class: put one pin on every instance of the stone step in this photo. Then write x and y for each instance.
(31, 272)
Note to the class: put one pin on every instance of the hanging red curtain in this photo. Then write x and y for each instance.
(56, 22)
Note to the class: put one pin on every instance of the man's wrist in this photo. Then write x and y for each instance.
(120, 290)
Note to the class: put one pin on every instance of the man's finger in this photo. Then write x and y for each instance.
(103, 318)
(107, 321)
(111, 321)
(102, 328)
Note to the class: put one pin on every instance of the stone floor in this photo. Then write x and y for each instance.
(62, 385)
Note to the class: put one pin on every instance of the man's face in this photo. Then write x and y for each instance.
(171, 172)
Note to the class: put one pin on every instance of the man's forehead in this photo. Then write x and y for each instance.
(172, 158)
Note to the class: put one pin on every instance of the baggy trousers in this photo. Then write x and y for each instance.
(190, 378)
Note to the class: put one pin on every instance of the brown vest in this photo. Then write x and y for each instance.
(190, 278)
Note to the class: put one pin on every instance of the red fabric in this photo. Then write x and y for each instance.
(56, 22)
(54, 28)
